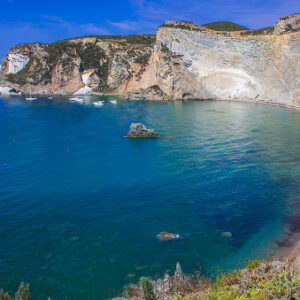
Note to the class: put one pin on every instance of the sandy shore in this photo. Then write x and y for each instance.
(289, 248)
(293, 107)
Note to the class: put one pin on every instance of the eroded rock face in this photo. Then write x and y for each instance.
(139, 130)
(287, 24)
(188, 64)
(16, 62)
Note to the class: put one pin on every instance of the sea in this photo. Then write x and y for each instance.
(81, 205)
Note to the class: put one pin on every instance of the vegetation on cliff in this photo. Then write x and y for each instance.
(23, 293)
(260, 280)
(137, 40)
(268, 30)
(224, 26)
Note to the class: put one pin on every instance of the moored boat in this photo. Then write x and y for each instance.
(98, 103)
(30, 98)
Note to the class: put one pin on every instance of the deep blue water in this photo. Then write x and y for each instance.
(80, 206)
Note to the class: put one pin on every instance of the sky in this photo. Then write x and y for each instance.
(26, 21)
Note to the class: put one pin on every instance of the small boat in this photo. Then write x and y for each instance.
(50, 98)
(98, 103)
(113, 101)
(75, 99)
(30, 98)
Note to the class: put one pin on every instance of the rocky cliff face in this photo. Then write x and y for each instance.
(199, 64)
(287, 24)
(76, 66)
(185, 62)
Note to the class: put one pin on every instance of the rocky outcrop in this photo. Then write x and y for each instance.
(185, 62)
(139, 130)
(287, 24)
(167, 236)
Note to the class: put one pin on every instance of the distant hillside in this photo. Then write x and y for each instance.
(224, 26)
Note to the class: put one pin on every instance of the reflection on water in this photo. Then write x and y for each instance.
(80, 206)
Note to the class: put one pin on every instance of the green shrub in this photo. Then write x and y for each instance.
(147, 288)
(252, 264)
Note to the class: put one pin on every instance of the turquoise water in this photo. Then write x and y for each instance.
(80, 206)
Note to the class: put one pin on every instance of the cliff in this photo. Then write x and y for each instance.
(81, 65)
(185, 61)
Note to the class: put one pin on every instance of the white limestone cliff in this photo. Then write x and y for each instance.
(16, 62)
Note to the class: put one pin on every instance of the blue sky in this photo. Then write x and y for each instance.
(47, 21)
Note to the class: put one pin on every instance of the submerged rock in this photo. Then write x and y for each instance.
(139, 130)
(227, 234)
(167, 236)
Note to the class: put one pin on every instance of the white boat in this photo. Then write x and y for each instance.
(113, 101)
(98, 103)
(75, 99)
(30, 98)
(50, 98)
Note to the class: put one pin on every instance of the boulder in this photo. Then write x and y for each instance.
(139, 130)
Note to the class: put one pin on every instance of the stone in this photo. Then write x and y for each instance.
(167, 236)
(139, 130)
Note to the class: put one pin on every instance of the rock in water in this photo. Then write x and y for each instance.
(227, 234)
(167, 236)
(139, 130)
